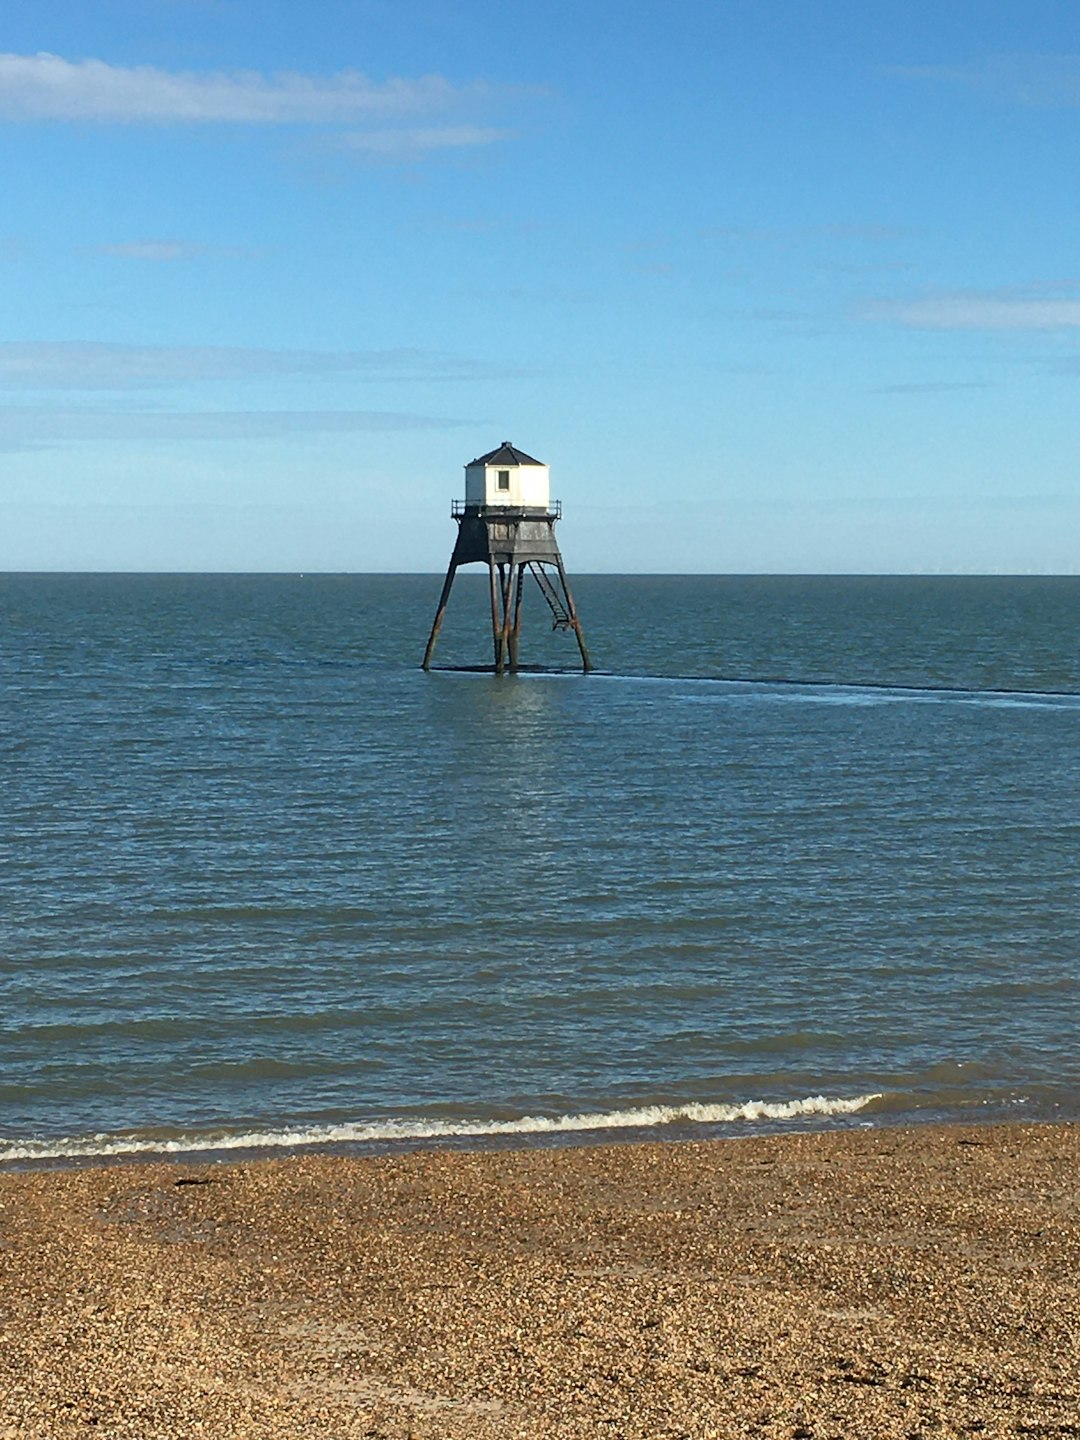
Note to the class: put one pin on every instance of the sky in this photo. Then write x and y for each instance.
(771, 285)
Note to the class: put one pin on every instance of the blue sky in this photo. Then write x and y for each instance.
(772, 285)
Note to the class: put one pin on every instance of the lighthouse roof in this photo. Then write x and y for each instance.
(505, 454)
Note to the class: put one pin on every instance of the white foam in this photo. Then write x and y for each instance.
(381, 1131)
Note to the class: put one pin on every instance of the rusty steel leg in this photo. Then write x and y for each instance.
(444, 600)
(506, 579)
(506, 576)
(496, 622)
(575, 623)
(515, 631)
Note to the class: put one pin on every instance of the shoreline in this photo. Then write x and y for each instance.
(647, 1120)
(678, 1125)
(879, 1281)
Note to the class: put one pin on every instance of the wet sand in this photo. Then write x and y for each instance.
(877, 1283)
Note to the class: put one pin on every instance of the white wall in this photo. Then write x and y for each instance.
(535, 483)
(530, 486)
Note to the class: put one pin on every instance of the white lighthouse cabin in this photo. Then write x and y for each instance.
(509, 478)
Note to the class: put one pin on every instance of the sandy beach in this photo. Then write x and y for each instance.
(879, 1283)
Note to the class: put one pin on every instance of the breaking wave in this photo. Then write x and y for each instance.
(644, 1117)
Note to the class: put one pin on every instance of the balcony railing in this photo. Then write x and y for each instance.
(551, 511)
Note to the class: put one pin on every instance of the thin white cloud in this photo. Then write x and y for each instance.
(871, 233)
(973, 310)
(929, 387)
(49, 87)
(78, 365)
(41, 427)
(403, 145)
(167, 251)
(155, 250)
(1051, 81)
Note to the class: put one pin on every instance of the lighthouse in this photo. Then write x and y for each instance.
(507, 522)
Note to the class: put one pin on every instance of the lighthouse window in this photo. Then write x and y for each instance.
(504, 479)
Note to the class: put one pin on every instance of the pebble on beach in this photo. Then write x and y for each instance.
(889, 1284)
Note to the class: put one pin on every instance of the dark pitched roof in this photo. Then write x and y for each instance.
(505, 455)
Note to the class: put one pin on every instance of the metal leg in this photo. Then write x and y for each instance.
(506, 578)
(444, 599)
(575, 623)
(515, 632)
(496, 622)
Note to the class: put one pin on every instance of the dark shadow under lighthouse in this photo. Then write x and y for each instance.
(507, 522)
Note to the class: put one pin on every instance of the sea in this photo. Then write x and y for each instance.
(800, 852)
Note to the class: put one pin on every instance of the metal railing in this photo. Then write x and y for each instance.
(460, 508)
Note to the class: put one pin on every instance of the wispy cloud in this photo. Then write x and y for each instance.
(979, 310)
(77, 365)
(40, 427)
(399, 145)
(167, 251)
(929, 387)
(1051, 81)
(808, 324)
(1062, 365)
(49, 87)
(155, 250)
(870, 233)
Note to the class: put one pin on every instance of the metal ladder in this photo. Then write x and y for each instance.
(560, 614)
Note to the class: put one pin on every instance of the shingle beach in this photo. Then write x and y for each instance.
(870, 1283)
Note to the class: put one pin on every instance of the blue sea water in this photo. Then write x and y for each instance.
(802, 851)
